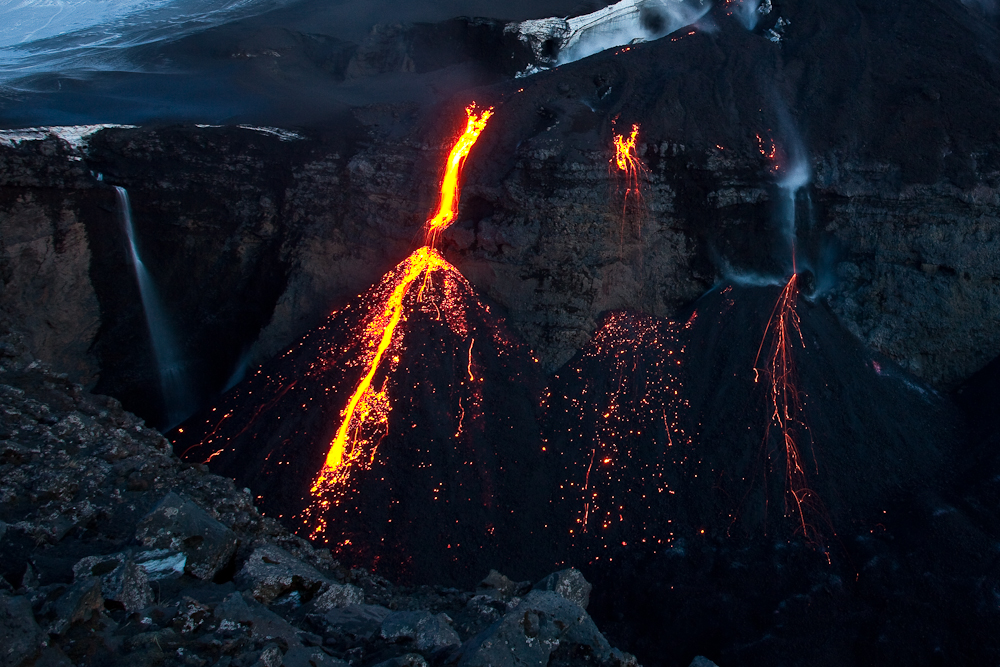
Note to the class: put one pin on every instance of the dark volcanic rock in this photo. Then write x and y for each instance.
(271, 571)
(179, 524)
(122, 581)
(427, 632)
(20, 635)
(568, 583)
(542, 623)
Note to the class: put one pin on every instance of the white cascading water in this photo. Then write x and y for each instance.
(177, 398)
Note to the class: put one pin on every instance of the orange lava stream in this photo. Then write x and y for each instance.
(630, 167)
(365, 418)
(448, 207)
(784, 332)
(370, 406)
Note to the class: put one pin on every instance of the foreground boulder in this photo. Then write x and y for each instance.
(20, 636)
(179, 524)
(544, 622)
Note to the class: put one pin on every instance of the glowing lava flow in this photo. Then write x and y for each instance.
(366, 416)
(630, 169)
(365, 419)
(448, 207)
(785, 402)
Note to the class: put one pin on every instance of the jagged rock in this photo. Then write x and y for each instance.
(178, 524)
(361, 621)
(568, 583)
(270, 656)
(532, 631)
(122, 581)
(702, 661)
(20, 636)
(500, 587)
(407, 660)
(78, 603)
(338, 595)
(192, 616)
(310, 657)
(428, 632)
(236, 610)
(271, 571)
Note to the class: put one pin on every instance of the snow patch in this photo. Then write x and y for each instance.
(283, 135)
(556, 41)
(74, 135)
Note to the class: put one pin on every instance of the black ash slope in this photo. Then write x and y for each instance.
(887, 570)
(452, 482)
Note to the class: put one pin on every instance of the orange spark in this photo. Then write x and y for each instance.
(784, 332)
(771, 152)
(448, 207)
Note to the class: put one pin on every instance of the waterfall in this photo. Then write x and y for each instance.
(178, 402)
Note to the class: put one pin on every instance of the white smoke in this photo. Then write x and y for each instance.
(746, 12)
(556, 41)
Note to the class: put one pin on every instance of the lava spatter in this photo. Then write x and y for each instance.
(614, 420)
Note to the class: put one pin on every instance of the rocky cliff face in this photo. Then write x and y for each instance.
(45, 255)
(253, 240)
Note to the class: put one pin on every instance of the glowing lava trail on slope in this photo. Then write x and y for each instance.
(450, 190)
(628, 170)
(366, 414)
(781, 336)
(423, 281)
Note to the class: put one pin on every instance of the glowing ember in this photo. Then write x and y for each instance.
(769, 150)
(616, 413)
(448, 207)
(629, 168)
(785, 403)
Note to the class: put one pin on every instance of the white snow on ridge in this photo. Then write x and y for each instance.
(74, 135)
(284, 135)
(556, 41)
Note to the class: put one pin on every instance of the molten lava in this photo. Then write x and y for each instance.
(781, 335)
(369, 407)
(629, 170)
(365, 419)
(448, 207)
